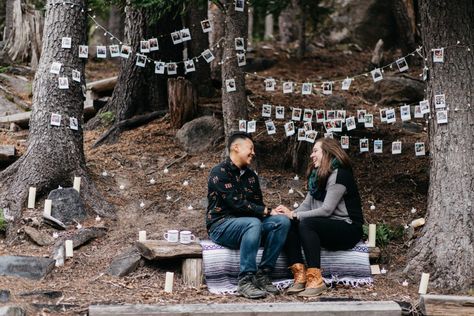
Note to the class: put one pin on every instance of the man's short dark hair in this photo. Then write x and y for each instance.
(235, 136)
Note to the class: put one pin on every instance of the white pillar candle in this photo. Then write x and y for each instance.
(32, 197)
(169, 282)
(372, 228)
(68, 246)
(47, 207)
(77, 183)
(424, 283)
(142, 235)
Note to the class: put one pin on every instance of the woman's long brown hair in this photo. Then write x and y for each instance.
(331, 149)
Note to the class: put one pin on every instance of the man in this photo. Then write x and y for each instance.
(238, 219)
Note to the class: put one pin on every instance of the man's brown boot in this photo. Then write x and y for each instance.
(314, 284)
(299, 273)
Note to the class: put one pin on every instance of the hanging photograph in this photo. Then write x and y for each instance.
(239, 5)
(101, 51)
(311, 136)
(290, 128)
(242, 126)
(364, 145)
(442, 117)
(280, 112)
(330, 115)
(329, 125)
(251, 126)
(159, 67)
(76, 75)
(383, 115)
(307, 88)
(207, 55)
(189, 66)
(270, 127)
(66, 42)
(206, 26)
(405, 113)
(350, 123)
(153, 44)
(345, 142)
(185, 34)
(396, 148)
(376, 74)
(341, 114)
(327, 87)
(63, 83)
(270, 84)
(296, 114)
(308, 115)
(141, 60)
(378, 146)
(239, 43)
(83, 51)
(307, 126)
(176, 37)
(266, 110)
(337, 125)
(402, 64)
(55, 68)
(418, 113)
(346, 83)
(438, 55)
(241, 60)
(144, 47)
(440, 101)
(420, 149)
(328, 135)
(55, 119)
(320, 116)
(125, 51)
(114, 51)
(172, 68)
(424, 106)
(301, 134)
(390, 116)
(287, 87)
(369, 120)
(361, 116)
(230, 85)
(73, 123)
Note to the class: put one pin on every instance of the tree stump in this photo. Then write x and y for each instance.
(182, 101)
(192, 272)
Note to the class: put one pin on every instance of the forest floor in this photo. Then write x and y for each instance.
(394, 184)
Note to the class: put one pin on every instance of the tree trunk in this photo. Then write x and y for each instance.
(234, 104)
(446, 246)
(288, 30)
(116, 21)
(301, 30)
(406, 32)
(268, 35)
(250, 28)
(54, 154)
(182, 99)
(216, 18)
(297, 155)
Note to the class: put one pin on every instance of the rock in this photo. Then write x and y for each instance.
(200, 134)
(412, 127)
(38, 237)
(26, 267)
(53, 222)
(396, 90)
(335, 102)
(12, 311)
(57, 308)
(67, 205)
(81, 237)
(125, 263)
(45, 293)
(4, 296)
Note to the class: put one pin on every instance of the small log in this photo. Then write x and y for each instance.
(446, 305)
(182, 101)
(161, 249)
(56, 223)
(107, 84)
(192, 272)
(374, 253)
(377, 54)
(7, 153)
(80, 238)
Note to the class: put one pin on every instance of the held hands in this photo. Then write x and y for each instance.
(283, 210)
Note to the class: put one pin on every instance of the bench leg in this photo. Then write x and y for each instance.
(192, 272)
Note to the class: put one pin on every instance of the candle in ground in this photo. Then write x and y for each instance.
(68, 245)
(372, 228)
(169, 282)
(424, 283)
(142, 235)
(32, 197)
(77, 183)
(47, 207)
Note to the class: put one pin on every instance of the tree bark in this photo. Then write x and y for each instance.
(406, 32)
(446, 246)
(182, 99)
(288, 30)
(54, 154)
(301, 30)
(234, 104)
(268, 35)
(216, 17)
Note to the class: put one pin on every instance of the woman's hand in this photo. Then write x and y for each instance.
(283, 210)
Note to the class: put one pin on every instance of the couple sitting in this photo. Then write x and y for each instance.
(237, 218)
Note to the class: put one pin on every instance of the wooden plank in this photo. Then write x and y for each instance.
(161, 249)
(446, 305)
(7, 152)
(192, 272)
(102, 85)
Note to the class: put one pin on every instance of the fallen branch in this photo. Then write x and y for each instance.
(177, 160)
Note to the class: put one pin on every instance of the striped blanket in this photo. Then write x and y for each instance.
(221, 267)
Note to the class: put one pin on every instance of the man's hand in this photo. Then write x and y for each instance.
(283, 210)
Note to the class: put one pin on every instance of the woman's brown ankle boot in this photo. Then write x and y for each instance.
(314, 283)
(299, 273)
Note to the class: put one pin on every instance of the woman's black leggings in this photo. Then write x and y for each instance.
(316, 232)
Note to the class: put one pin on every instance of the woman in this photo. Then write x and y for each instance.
(330, 217)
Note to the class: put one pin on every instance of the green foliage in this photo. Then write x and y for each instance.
(4, 69)
(3, 223)
(107, 118)
(384, 233)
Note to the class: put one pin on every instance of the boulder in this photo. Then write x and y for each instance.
(38, 237)
(26, 267)
(67, 205)
(12, 311)
(125, 263)
(4, 296)
(200, 134)
(397, 90)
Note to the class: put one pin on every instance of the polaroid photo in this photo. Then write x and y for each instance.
(101, 51)
(391, 117)
(424, 106)
(153, 44)
(418, 113)
(176, 37)
(405, 113)
(337, 127)
(301, 134)
(369, 120)
(141, 60)
(361, 116)
(320, 116)
(55, 119)
(239, 5)
(189, 66)
(114, 51)
(280, 112)
(376, 74)
(307, 126)
(242, 126)
(206, 26)
(270, 127)
(402, 64)
(63, 83)
(207, 55)
(159, 67)
(308, 115)
(383, 115)
(420, 149)
(266, 110)
(341, 114)
(327, 87)
(241, 59)
(239, 43)
(230, 85)
(330, 115)
(83, 51)
(440, 101)
(288, 87)
(290, 128)
(55, 68)
(185, 35)
(270, 84)
(311, 136)
(378, 146)
(328, 135)
(307, 88)
(346, 84)
(350, 123)
(442, 117)
(172, 68)
(364, 145)
(329, 125)
(125, 51)
(73, 123)
(296, 114)
(438, 55)
(396, 148)
(345, 142)
(76, 75)
(144, 47)
(66, 42)
(251, 126)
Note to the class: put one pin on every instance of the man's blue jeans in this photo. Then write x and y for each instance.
(247, 233)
